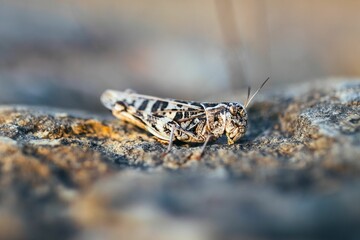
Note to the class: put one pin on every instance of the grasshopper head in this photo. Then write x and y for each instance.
(236, 117)
(236, 122)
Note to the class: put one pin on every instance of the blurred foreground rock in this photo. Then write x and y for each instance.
(294, 176)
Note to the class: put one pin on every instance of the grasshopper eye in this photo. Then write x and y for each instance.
(242, 113)
(232, 110)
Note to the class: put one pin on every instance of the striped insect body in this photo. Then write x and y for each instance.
(186, 121)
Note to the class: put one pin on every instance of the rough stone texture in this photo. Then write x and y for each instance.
(294, 176)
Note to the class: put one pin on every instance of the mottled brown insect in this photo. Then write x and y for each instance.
(170, 120)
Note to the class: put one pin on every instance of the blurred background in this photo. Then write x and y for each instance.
(66, 53)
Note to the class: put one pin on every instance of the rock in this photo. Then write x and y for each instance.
(295, 175)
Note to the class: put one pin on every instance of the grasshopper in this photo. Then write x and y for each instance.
(172, 120)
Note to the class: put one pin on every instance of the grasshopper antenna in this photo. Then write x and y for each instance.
(248, 96)
(249, 99)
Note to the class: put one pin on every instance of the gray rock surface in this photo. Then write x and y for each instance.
(295, 175)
